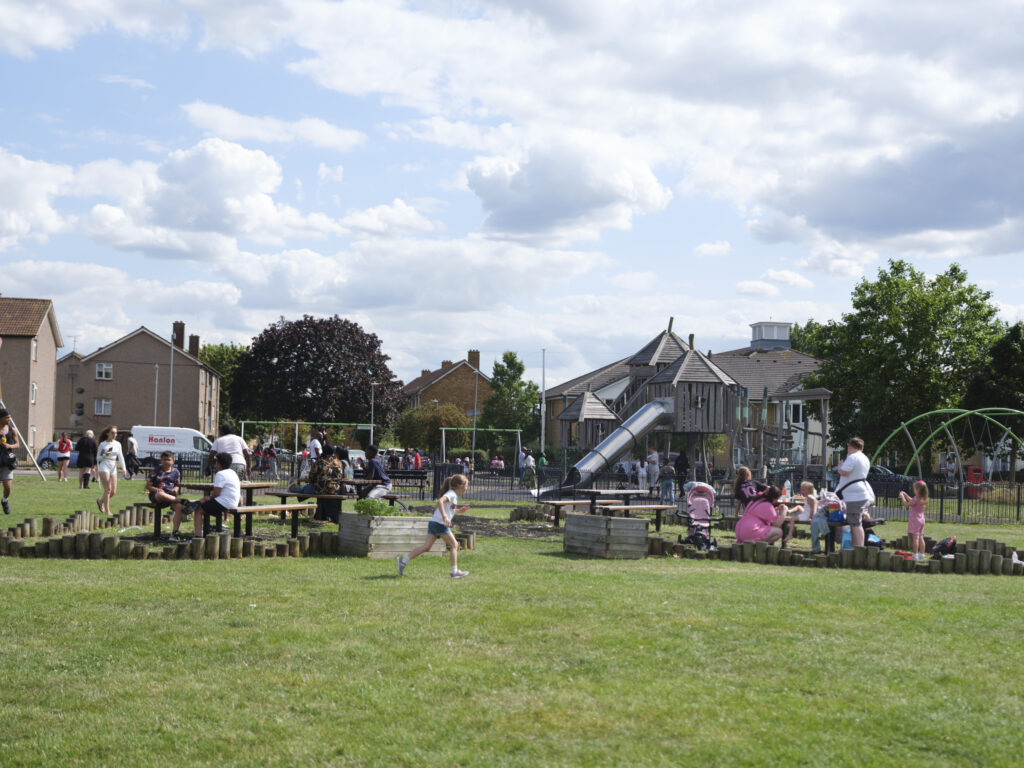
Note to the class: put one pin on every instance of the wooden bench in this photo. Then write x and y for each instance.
(284, 509)
(418, 478)
(320, 497)
(158, 513)
(658, 509)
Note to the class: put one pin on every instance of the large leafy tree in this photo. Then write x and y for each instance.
(999, 383)
(513, 403)
(318, 370)
(420, 427)
(911, 344)
(224, 359)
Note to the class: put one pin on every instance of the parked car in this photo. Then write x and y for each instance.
(47, 458)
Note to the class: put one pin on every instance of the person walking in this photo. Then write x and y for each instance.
(8, 443)
(440, 525)
(86, 447)
(110, 455)
(63, 457)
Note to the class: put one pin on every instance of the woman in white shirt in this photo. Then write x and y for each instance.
(108, 455)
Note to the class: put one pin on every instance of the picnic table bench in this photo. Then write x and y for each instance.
(410, 477)
(657, 508)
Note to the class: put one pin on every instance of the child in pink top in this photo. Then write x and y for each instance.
(760, 521)
(915, 518)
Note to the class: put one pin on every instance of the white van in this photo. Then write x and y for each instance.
(155, 440)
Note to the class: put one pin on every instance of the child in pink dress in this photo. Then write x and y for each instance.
(761, 521)
(915, 518)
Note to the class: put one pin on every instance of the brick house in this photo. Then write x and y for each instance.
(127, 382)
(28, 362)
(451, 383)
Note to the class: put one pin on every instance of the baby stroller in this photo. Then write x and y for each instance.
(700, 499)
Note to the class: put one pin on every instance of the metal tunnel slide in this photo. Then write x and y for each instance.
(625, 438)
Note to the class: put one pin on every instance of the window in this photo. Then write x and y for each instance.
(35, 349)
(798, 413)
(104, 371)
(32, 439)
(32, 393)
(102, 406)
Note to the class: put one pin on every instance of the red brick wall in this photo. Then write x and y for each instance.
(457, 388)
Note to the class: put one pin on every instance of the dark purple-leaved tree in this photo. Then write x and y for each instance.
(317, 369)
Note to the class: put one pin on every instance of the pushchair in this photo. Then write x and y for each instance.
(700, 500)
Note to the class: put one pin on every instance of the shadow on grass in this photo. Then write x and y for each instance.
(380, 577)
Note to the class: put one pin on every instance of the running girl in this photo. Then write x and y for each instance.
(440, 525)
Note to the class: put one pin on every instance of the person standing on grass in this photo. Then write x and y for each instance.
(854, 488)
(653, 469)
(440, 525)
(915, 519)
(110, 455)
(63, 457)
(86, 447)
(232, 444)
(8, 442)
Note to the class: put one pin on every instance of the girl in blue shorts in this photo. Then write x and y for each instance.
(440, 525)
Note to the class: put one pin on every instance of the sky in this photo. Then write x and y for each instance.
(537, 175)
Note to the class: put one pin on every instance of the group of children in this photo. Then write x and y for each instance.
(765, 512)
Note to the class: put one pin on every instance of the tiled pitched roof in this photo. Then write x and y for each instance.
(22, 317)
(780, 370)
(591, 381)
(432, 377)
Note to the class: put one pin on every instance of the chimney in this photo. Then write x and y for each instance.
(473, 358)
(178, 334)
(193, 345)
(691, 341)
(446, 364)
(424, 372)
(670, 324)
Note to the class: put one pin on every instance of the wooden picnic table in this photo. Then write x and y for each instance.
(248, 488)
(658, 509)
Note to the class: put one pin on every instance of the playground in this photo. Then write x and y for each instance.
(540, 658)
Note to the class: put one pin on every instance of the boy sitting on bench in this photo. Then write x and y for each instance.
(164, 485)
(227, 490)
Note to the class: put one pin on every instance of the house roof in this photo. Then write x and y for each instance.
(780, 370)
(594, 380)
(420, 383)
(692, 366)
(144, 330)
(588, 406)
(24, 317)
(663, 348)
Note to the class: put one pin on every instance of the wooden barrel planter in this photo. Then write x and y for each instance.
(369, 536)
(610, 537)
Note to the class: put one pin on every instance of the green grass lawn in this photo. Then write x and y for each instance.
(536, 659)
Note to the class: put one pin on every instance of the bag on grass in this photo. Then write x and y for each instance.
(945, 547)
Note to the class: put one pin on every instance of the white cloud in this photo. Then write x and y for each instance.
(226, 123)
(397, 218)
(27, 193)
(325, 172)
(787, 279)
(715, 250)
(134, 83)
(757, 288)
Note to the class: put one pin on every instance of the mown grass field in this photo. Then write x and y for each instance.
(536, 659)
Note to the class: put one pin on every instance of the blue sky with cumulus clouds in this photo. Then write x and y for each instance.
(501, 175)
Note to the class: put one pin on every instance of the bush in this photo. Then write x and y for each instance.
(378, 508)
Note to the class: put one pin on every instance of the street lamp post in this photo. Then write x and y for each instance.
(373, 385)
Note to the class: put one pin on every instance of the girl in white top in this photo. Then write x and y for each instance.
(810, 507)
(108, 455)
(440, 525)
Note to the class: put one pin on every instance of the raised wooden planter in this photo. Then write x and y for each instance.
(610, 537)
(366, 536)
